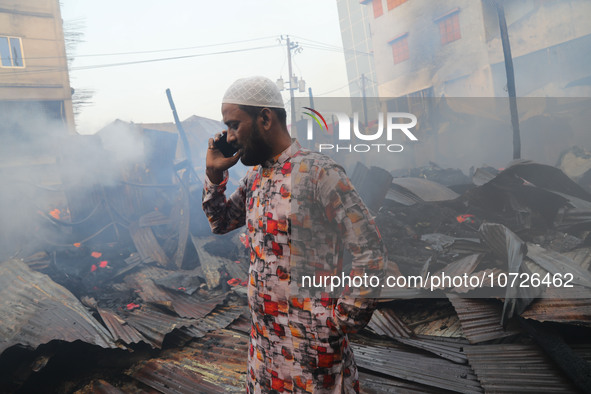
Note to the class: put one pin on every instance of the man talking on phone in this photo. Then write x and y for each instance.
(301, 213)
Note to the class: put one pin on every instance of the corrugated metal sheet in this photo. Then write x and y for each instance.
(465, 265)
(488, 283)
(509, 248)
(120, 329)
(100, 386)
(480, 319)
(147, 245)
(142, 282)
(187, 281)
(179, 214)
(211, 263)
(583, 350)
(214, 364)
(189, 306)
(373, 384)
(557, 306)
(436, 318)
(424, 189)
(242, 323)
(401, 362)
(385, 322)
(449, 348)
(35, 310)
(516, 368)
(557, 263)
(154, 218)
(220, 318)
(193, 306)
(581, 256)
(154, 324)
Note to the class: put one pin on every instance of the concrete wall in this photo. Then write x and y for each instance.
(431, 64)
(549, 43)
(354, 20)
(45, 76)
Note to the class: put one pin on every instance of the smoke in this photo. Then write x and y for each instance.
(454, 132)
(43, 169)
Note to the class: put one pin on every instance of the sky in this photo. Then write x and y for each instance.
(196, 32)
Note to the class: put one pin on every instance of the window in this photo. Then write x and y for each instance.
(377, 8)
(400, 48)
(11, 52)
(449, 27)
(394, 3)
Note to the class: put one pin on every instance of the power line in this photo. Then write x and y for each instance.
(334, 90)
(329, 47)
(96, 66)
(154, 50)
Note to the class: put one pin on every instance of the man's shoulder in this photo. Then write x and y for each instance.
(314, 160)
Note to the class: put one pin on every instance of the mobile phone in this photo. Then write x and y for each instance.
(222, 144)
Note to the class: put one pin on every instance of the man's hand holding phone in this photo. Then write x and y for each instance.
(220, 156)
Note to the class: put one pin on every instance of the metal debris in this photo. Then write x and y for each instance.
(214, 364)
(36, 310)
(402, 362)
(480, 319)
(516, 368)
(385, 322)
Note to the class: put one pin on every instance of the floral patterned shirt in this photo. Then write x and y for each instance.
(301, 212)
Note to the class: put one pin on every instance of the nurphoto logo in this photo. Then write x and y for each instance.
(395, 122)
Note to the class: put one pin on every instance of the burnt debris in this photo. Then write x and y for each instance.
(130, 292)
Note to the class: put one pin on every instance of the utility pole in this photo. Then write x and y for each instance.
(510, 79)
(364, 98)
(295, 47)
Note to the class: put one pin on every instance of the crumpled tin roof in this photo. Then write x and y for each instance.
(36, 310)
(406, 363)
(214, 364)
(516, 368)
(480, 319)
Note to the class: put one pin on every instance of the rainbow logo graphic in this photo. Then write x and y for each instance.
(312, 115)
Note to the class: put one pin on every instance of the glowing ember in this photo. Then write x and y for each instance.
(93, 268)
(96, 255)
(465, 218)
(55, 213)
(103, 264)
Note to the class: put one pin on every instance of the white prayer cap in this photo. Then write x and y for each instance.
(254, 91)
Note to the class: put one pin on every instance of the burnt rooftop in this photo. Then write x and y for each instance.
(126, 290)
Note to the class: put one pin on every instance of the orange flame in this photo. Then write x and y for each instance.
(55, 213)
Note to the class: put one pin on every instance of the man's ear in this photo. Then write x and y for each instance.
(266, 118)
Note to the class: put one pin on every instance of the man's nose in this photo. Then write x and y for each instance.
(231, 136)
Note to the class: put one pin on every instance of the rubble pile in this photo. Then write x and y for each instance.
(125, 273)
(133, 293)
(526, 219)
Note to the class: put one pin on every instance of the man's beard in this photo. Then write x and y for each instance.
(256, 150)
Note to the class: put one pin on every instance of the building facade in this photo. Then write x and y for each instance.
(34, 81)
(452, 48)
(425, 50)
(354, 19)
